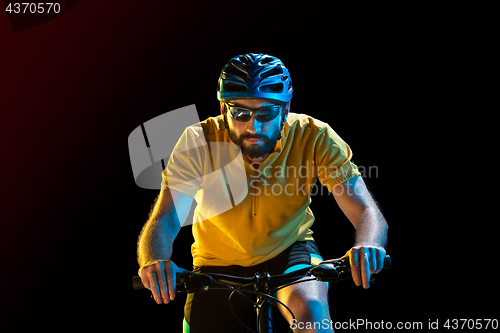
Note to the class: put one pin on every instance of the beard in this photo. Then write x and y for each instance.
(255, 150)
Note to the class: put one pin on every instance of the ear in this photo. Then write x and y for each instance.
(286, 110)
(222, 108)
(223, 113)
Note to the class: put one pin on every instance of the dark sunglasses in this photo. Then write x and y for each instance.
(262, 115)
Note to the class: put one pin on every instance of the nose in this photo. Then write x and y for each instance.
(254, 126)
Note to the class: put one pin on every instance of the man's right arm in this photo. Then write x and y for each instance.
(155, 243)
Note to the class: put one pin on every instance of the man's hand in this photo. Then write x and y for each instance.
(160, 278)
(365, 261)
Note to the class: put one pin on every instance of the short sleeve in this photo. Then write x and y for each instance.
(333, 159)
(186, 166)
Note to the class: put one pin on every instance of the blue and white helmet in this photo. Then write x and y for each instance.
(255, 76)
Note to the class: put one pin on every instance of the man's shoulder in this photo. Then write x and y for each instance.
(299, 121)
(208, 126)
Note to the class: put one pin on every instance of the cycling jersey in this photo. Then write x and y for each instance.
(245, 215)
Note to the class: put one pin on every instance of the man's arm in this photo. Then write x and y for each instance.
(155, 243)
(367, 256)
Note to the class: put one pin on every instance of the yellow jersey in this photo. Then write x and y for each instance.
(246, 215)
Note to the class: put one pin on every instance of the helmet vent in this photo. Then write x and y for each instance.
(265, 61)
(245, 60)
(234, 87)
(274, 71)
(233, 70)
(278, 87)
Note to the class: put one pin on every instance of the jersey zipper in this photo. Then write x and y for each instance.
(254, 197)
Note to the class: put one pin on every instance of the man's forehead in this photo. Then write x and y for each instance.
(255, 103)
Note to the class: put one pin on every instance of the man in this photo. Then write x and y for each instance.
(266, 224)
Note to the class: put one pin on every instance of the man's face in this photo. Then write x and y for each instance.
(256, 139)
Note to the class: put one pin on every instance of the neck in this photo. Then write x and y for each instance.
(255, 162)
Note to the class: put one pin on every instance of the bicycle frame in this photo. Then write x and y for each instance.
(263, 286)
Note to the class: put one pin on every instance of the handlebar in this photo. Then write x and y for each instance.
(188, 281)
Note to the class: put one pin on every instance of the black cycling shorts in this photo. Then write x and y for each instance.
(209, 311)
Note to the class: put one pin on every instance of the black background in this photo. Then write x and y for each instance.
(73, 89)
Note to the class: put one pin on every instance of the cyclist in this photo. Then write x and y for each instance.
(267, 226)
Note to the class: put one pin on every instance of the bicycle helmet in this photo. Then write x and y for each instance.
(254, 75)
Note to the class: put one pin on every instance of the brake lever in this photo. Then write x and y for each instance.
(190, 282)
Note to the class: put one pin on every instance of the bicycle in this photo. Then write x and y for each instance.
(263, 286)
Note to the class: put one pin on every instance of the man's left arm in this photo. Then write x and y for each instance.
(367, 255)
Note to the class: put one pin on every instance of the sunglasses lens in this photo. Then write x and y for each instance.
(263, 115)
(264, 118)
(242, 115)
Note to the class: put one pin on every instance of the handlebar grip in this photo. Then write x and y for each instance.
(347, 268)
(387, 262)
(181, 279)
(137, 282)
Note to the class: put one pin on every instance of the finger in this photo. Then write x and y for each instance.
(162, 282)
(170, 274)
(353, 260)
(373, 260)
(331, 261)
(380, 259)
(365, 268)
(145, 280)
(154, 287)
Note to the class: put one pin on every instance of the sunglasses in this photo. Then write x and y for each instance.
(262, 115)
